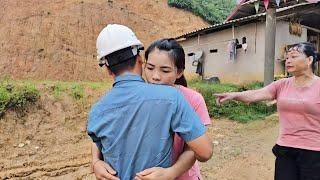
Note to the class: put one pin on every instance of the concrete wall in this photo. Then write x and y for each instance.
(247, 67)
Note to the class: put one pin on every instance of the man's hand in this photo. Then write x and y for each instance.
(155, 173)
(103, 171)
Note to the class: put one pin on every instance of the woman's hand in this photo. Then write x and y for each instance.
(103, 171)
(157, 173)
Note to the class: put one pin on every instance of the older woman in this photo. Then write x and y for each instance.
(297, 149)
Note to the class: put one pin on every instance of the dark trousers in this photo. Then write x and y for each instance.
(296, 164)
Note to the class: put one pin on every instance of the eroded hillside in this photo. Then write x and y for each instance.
(55, 39)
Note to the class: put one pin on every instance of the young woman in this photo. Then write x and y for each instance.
(297, 149)
(165, 63)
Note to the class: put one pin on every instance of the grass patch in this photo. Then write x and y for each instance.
(18, 94)
(76, 89)
(232, 109)
(59, 88)
(17, 97)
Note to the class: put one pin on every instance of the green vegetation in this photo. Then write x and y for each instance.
(233, 110)
(75, 89)
(213, 11)
(16, 97)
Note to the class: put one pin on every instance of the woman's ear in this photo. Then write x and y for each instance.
(310, 60)
(180, 73)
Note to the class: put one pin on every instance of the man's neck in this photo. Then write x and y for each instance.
(129, 72)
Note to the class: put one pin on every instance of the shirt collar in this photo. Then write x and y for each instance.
(127, 77)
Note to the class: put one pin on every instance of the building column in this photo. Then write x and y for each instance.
(270, 38)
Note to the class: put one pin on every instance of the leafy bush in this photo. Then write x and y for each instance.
(213, 11)
(232, 109)
(17, 97)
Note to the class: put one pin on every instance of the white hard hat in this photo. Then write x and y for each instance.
(116, 37)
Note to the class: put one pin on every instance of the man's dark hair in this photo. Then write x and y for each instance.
(121, 60)
(124, 66)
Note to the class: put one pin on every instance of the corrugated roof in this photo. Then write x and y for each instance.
(229, 23)
(247, 7)
(216, 26)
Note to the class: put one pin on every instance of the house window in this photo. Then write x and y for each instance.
(213, 50)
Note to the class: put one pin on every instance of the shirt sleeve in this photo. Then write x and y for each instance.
(274, 88)
(185, 121)
(202, 110)
(92, 133)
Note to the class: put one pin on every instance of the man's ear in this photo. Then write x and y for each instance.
(139, 60)
(110, 73)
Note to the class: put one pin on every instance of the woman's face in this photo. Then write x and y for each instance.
(297, 62)
(160, 69)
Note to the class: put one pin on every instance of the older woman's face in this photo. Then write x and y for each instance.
(297, 62)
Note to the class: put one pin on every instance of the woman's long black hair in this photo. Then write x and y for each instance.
(175, 52)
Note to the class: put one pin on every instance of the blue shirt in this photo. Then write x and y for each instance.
(134, 123)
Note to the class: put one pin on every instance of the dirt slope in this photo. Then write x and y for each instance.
(55, 39)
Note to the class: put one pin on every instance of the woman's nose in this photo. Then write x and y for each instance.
(156, 76)
(288, 60)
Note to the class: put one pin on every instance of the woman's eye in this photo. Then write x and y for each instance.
(149, 68)
(166, 71)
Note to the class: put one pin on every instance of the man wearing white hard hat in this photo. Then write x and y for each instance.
(132, 126)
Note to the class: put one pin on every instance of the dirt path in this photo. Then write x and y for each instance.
(243, 151)
(50, 142)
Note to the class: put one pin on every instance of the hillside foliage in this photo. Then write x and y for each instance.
(213, 11)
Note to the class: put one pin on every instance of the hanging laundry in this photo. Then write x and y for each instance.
(256, 6)
(245, 47)
(198, 61)
(278, 2)
(238, 45)
(244, 44)
(199, 69)
(266, 3)
(244, 40)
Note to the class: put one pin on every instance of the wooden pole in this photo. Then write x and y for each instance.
(270, 38)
